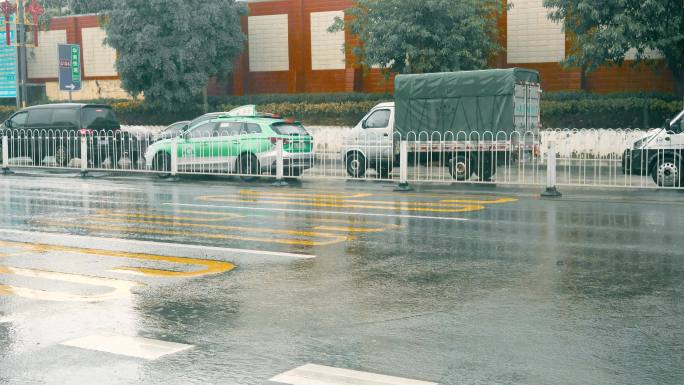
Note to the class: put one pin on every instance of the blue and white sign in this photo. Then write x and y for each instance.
(69, 67)
(8, 64)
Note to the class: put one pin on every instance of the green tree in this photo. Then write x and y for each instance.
(168, 49)
(604, 31)
(423, 36)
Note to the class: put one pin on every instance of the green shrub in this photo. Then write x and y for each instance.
(630, 112)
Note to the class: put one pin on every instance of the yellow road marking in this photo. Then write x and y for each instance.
(313, 195)
(5, 290)
(119, 287)
(350, 229)
(360, 205)
(229, 228)
(479, 202)
(171, 217)
(302, 242)
(209, 266)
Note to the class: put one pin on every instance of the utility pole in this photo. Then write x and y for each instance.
(22, 67)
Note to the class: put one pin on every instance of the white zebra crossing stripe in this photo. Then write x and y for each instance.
(312, 374)
(138, 347)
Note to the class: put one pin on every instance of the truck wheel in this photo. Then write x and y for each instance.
(665, 173)
(384, 171)
(486, 171)
(461, 167)
(356, 165)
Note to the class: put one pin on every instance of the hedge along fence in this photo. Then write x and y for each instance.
(562, 109)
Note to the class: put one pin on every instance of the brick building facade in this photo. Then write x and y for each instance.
(289, 50)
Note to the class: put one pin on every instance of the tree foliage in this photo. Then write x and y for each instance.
(604, 31)
(168, 49)
(80, 7)
(423, 36)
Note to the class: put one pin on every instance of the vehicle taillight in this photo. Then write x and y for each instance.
(274, 140)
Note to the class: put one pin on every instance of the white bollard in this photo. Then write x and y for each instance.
(280, 164)
(84, 155)
(5, 154)
(174, 156)
(551, 190)
(403, 167)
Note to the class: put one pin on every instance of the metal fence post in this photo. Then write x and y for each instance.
(5, 155)
(403, 167)
(174, 157)
(84, 155)
(280, 164)
(551, 190)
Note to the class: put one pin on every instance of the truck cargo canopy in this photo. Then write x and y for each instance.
(459, 101)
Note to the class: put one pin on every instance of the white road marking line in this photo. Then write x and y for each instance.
(320, 212)
(138, 347)
(312, 374)
(195, 251)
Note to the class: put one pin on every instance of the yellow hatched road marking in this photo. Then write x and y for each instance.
(209, 266)
(229, 228)
(480, 202)
(138, 230)
(351, 229)
(171, 217)
(449, 208)
(304, 195)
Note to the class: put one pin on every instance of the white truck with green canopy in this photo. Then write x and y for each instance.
(468, 121)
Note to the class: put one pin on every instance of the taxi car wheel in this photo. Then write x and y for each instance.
(248, 167)
(162, 162)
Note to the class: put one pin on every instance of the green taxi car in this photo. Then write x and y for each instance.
(242, 145)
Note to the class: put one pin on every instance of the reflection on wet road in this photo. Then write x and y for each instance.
(207, 281)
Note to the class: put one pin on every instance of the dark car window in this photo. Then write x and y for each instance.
(98, 118)
(202, 131)
(173, 129)
(252, 128)
(228, 129)
(40, 118)
(18, 120)
(289, 129)
(378, 119)
(67, 118)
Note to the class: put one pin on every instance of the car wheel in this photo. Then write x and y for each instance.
(248, 167)
(665, 173)
(461, 167)
(61, 156)
(162, 163)
(356, 165)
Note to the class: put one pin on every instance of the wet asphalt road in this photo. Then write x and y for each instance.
(453, 285)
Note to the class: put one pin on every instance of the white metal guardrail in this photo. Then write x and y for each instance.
(613, 158)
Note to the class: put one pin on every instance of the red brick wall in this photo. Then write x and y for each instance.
(631, 78)
(73, 26)
(301, 78)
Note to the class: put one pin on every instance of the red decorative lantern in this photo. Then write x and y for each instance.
(35, 10)
(7, 9)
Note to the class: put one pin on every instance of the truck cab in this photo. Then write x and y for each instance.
(369, 144)
(658, 153)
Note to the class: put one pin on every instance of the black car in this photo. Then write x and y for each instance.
(57, 129)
